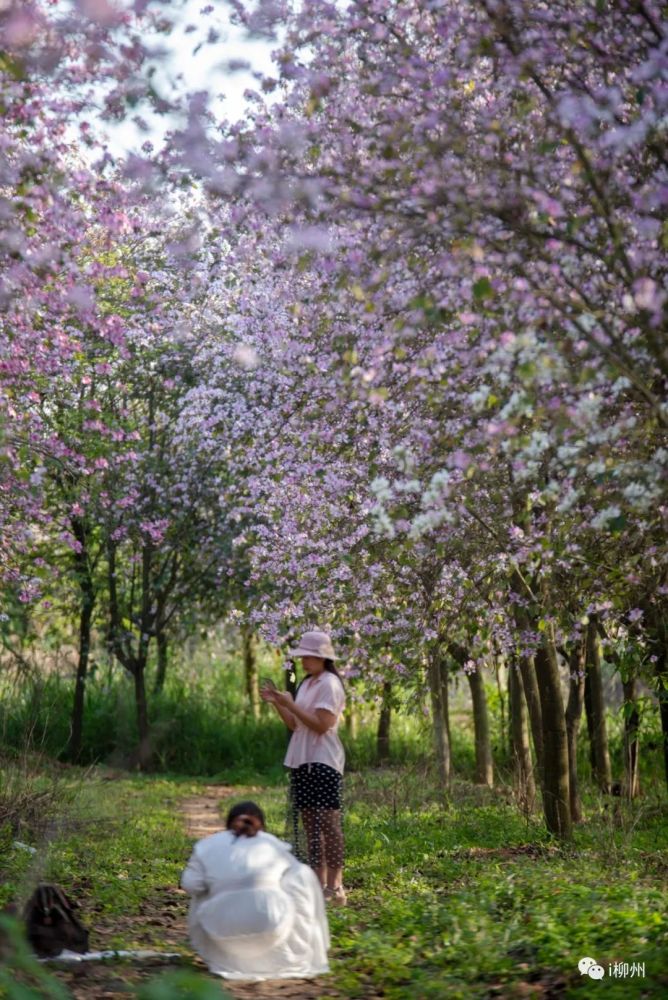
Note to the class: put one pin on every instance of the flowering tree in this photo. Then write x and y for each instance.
(50, 60)
(497, 332)
(429, 364)
(93, 360)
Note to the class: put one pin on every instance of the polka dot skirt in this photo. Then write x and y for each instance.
(314, 815)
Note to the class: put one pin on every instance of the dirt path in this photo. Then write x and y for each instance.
(202, 812)
(202, 816)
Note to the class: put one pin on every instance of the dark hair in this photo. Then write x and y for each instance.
(331, 669)
(329, 666)
(254, 822)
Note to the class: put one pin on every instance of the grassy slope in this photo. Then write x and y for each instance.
(472, 902)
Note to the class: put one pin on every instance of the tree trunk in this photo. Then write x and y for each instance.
(438, 715)
(87, 606)
(162, 646)
(76, 730)
(602, 772)
(499, 668)
(527, 663)
(576, 686)
(251, 676)
(351, 721)
(533, 700)
(133, 661)
(444, 674)
(291, 682)
(384, 721)
(525, 786)
(484, 767)
(662, 693)
(657, 634)
(556, 794)
(144, 750)
(590, 723)
(631, 744)
(512, 667)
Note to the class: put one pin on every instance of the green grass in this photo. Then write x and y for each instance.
(111, 842)
(115, 846)
(476, 902)
(196, 729)
(200, 724)
(470, 902)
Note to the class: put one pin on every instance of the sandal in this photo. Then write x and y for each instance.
(337, 897)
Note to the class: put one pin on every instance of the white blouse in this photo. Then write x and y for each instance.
(306, 746)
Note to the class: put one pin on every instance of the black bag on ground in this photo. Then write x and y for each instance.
(52, 925)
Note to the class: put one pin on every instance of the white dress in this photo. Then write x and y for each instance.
(256, 912)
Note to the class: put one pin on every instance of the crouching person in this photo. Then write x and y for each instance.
(256, 912)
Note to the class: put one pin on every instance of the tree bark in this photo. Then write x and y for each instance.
(576, 686)
(384, 722)
(444, 675)
(499, 667)
(555, 785)
(134, 660)
(351, 721)
(509, 746)
(144, 754)
(662, 693)
(530, 683)
(87, 591)
(631, 744)
(533, 700)
(525, 785)
(251, 677)
(590, 723)
(438, 714)
(162, 647)
(76, 729)
(602, 772)
(484, 767)
(291, 684)
(657, 634)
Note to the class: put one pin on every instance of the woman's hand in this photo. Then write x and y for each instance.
(271, 694)
(283, 698)
(267, 690)
(281, 701)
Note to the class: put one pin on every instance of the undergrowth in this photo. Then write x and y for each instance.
(469, 901)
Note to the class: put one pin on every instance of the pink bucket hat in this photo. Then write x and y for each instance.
(314, 644)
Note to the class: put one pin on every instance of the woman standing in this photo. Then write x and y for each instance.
(316, 757)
